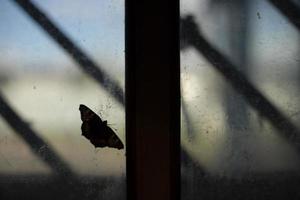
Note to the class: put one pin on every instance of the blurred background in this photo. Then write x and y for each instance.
(45, 85)
(238, 146)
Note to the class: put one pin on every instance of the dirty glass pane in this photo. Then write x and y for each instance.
(54, 56)
(240, 99)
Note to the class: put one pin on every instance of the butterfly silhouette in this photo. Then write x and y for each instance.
(97, 131)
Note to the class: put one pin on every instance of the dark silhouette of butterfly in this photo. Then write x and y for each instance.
(97, 131)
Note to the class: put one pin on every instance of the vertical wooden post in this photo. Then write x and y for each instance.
(153, 99)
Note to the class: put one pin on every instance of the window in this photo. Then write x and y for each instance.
(240, 97)
(56, 55)
(238, 105)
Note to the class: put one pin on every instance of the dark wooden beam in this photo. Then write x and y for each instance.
(153, 99)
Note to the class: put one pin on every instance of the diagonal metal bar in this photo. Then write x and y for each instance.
(36, 143)
(238, 81)
(289, 9)
(83, 61)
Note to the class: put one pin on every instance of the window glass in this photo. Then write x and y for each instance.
(240, 100)
(44, 82)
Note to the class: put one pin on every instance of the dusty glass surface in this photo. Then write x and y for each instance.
(240, 100)
(42, 152)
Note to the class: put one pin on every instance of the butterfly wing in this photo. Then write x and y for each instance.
(113, 140)
(91, 122)
(97, 131)
(87, 114)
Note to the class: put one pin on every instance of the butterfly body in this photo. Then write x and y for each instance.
(97, 131)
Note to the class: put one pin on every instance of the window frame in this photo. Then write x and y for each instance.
(152, 105)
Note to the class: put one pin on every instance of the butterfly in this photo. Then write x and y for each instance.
(97, 131)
